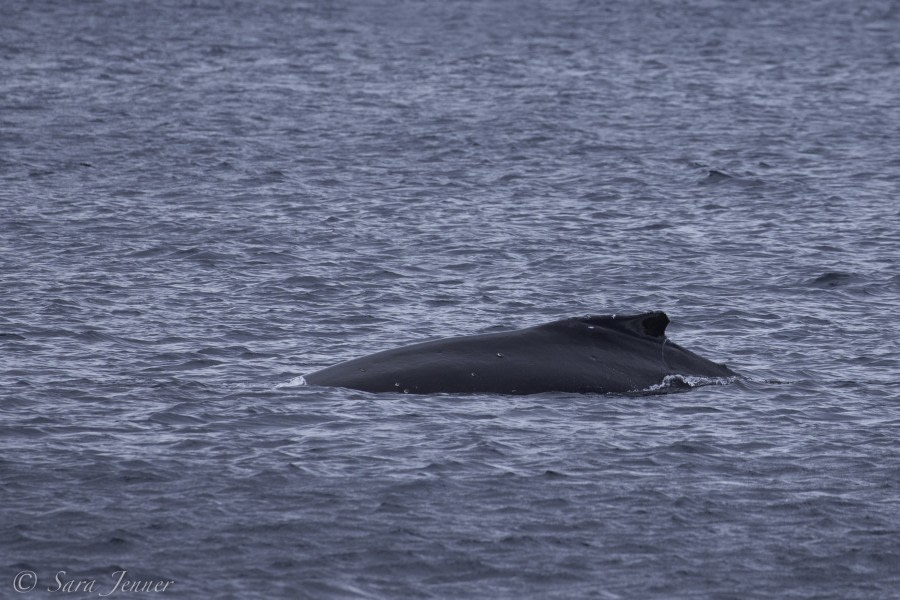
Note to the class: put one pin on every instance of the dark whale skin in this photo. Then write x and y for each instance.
(592, 354)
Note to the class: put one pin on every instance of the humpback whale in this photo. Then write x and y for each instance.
(595, 354)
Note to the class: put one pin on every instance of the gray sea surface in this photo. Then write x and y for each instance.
(200, 201)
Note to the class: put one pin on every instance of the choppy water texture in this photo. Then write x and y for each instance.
(201, 201)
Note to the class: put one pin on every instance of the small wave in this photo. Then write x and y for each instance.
(713, 176)
(295, 382)
(833, 279)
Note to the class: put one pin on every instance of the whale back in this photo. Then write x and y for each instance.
(590, 354)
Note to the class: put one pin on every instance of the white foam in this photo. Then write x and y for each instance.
(295, 382)
(674, 382)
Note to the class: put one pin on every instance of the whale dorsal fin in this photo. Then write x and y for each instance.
(654, 324)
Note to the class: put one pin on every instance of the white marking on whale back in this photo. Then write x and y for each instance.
(295, 382)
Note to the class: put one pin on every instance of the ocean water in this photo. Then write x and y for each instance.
(202, 201)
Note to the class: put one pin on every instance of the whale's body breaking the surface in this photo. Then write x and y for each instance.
(592, 354)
